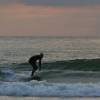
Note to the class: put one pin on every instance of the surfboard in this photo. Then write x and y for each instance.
(38, 78)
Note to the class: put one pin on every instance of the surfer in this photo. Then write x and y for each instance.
(33, 61)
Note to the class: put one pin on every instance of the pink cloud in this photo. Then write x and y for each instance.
(19, 19)
(23, 11)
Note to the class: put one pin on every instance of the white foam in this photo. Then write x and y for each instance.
(10, 76)
(35, 88)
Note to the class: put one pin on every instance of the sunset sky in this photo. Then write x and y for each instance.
(50, 18)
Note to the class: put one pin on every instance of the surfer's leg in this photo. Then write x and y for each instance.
(32, 74)
(34, 69)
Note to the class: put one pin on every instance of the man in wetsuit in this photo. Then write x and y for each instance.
(33, 61)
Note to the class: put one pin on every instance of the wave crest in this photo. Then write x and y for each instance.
(35, 88)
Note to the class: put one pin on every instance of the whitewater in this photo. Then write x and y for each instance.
(70, 67)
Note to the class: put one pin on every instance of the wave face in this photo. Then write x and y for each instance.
(77, 64)
(43, 88)
(65, 71)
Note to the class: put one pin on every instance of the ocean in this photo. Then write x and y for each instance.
(70, 67)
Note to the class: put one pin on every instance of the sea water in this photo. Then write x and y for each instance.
(70, 67)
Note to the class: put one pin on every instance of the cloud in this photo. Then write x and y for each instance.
(53, 2)
(6, 2)
(20, 19)
(50, 17)
(60, 2)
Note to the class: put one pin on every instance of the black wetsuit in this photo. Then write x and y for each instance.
(33, 61)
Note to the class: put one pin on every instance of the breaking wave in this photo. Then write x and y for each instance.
(43, 88)
(14, 79)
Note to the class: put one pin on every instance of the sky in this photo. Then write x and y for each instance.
(50, 18)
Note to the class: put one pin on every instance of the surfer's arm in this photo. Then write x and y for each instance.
(40, 64)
